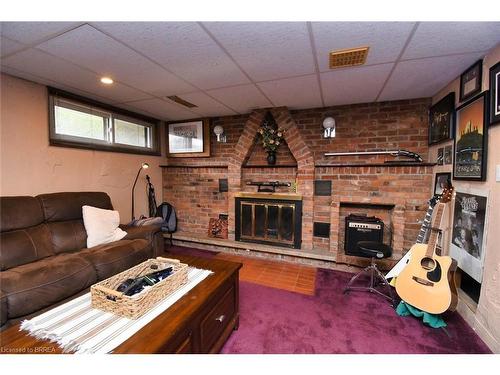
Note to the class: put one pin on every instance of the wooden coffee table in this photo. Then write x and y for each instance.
(200, 322)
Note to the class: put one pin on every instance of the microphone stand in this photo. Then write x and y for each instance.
(133, 188)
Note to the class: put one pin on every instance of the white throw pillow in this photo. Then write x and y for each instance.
(101, 225)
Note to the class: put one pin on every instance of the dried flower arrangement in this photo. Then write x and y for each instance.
(271, 138)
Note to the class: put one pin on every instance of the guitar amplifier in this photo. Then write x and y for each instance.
(361, 228)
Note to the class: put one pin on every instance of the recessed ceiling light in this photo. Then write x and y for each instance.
(106, 80)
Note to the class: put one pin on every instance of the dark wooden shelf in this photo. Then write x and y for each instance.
(411, 164)
(194, 166)
(336, 165)
(270, 166)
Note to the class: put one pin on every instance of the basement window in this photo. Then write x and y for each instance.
(84, 123)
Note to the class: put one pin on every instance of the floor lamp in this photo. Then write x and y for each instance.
(143, 166)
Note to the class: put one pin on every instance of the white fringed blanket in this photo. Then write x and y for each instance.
(77, 327)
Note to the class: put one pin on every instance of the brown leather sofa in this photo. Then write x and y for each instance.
(43, 256)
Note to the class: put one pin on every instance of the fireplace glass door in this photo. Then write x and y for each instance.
(267, 222)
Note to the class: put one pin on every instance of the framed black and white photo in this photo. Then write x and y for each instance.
(471, 80)
(188, 138)
(495, 94)
(471, 132)
(468, 232)
(441, 181)
(448, 156)
(442, 119)
(440, 156)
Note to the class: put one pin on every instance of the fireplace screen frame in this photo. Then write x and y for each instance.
(296, 205)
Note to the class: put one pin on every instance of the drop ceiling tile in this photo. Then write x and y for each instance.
(8, 46)
(102, 54)
(47, 82)
(31, 32)
(425, 77)
(161, 109)
(242, 99)
(354, 85)
(266, 50)
(295, 93)
(52, 68)
(442, 38)
(385, 39)
(183, 47)
(207, 106)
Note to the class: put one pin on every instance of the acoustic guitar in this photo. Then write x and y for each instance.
(423, 234)
(427, 281)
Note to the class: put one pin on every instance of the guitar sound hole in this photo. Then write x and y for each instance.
(428, 263)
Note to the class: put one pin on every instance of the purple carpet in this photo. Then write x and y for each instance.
(277, 321)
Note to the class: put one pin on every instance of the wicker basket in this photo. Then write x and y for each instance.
(105, 296)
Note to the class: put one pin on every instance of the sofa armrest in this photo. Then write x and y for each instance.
(151, 233)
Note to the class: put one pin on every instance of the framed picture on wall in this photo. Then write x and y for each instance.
(494, 94)
(188, 139)
(442, 119)
(441, 181)
(468, 232)
(471, 80)
(447, 158)
(440, 156)
(469, 162)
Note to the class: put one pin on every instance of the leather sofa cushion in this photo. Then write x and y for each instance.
(23, 246)
(110, 259)
(68, 236)
(68, 206)
(33, 286)
(19, 212)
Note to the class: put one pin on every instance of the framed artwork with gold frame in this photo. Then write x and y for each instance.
(188, 139)
(471, 132)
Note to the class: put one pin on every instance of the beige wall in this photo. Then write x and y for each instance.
(485, 317)
(29, 166)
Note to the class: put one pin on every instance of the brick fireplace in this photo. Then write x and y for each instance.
(395, 193)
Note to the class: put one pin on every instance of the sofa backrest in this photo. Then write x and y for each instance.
(33, 228)
(24, 237)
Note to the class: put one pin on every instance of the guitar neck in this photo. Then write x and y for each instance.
(436, 223)
(425, 225)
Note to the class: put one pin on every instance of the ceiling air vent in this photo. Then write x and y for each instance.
(348, 57)
(181, 101)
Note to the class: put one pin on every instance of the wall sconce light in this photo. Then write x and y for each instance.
(329, 126)
(219, 132)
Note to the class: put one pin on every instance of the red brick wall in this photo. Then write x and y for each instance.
(258, 155)
(375, 126)
(268, 174)
(365, 127)
(408, 188)
(194, 192)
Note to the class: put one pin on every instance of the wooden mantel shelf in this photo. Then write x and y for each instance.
(270, 166)
(195, 166)
(339, 165)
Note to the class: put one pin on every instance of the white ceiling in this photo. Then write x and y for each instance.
(228, 68)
